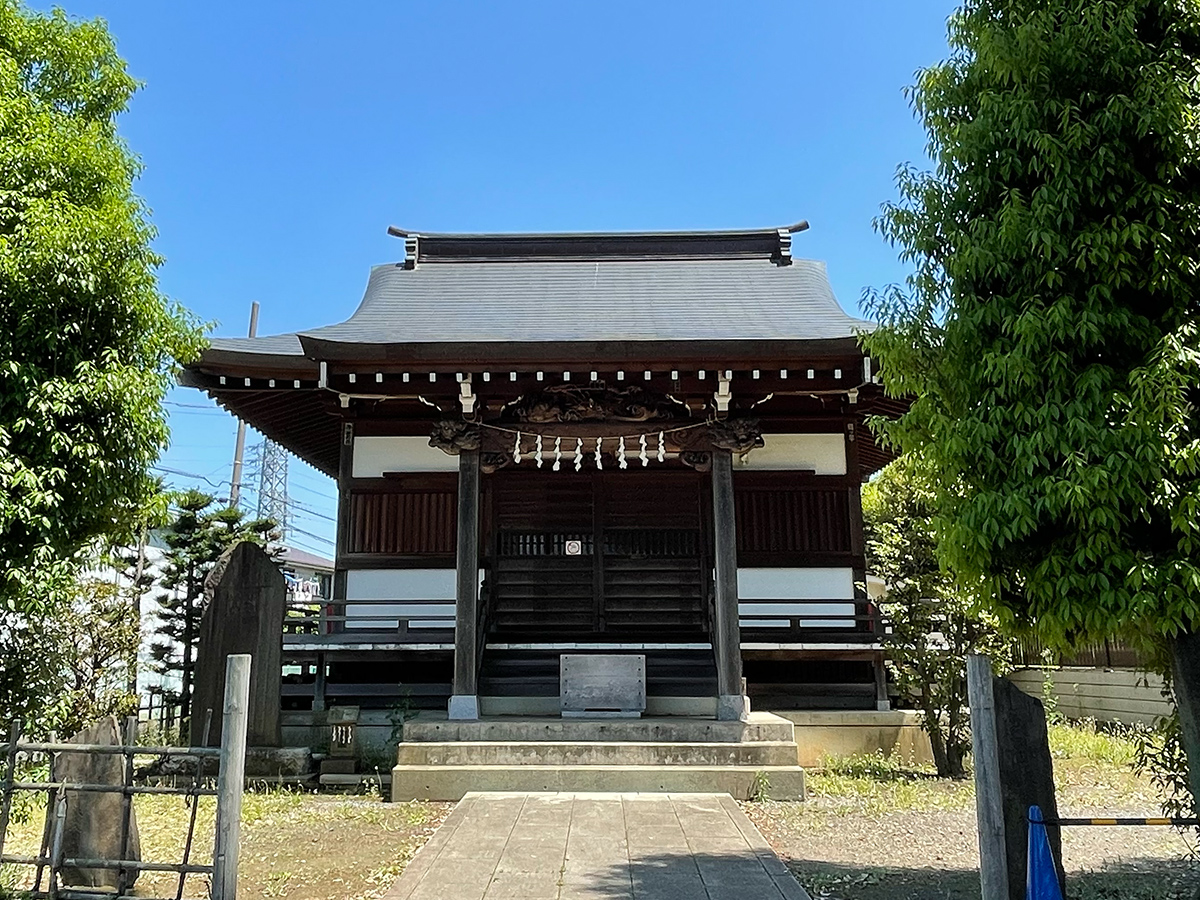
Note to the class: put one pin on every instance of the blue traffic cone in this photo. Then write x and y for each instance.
(1041, 881)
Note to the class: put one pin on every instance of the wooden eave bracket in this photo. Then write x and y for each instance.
(723, 395)
(466, 397)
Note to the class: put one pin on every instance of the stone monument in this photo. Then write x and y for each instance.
(93, 827)
(244, 615)
(1026, 778)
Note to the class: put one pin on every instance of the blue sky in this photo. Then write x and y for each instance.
(281, 139)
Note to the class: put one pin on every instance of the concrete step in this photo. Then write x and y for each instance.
(451, 783)
(429, 726)
(596, 753)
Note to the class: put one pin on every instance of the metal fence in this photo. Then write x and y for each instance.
(51, 859)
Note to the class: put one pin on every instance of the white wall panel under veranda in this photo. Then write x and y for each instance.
(375, 455)
(765, 592)
(400, 584)
(825, 454)
(429, 592)
(828, 583)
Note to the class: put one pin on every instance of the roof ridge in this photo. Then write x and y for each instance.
(774, 244)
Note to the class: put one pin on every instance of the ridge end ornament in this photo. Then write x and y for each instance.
(454, 436)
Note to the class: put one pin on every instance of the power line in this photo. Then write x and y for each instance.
(308, 510)
(315, 537)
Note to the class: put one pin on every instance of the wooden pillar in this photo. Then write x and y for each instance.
(464, 699)
(319, 684)
(989, 800)
(731, 701)
(882, 703)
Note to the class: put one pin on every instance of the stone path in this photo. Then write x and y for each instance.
(510, 846)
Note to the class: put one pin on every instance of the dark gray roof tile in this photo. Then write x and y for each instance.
(605, 300)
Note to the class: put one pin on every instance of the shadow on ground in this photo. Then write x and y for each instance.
(1149, 880)
(679, 875)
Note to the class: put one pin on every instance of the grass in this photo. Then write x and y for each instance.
(295, 844)
(877, 783)
(1083, 740)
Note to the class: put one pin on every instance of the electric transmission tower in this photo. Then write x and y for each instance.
(273, 485)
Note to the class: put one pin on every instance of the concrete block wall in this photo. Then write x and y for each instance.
(1106, 695)
(822, 735)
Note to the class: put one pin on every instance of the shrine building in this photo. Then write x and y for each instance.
(549, 444)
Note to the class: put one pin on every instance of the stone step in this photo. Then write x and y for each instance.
(668, 729)
(451, 783)
(596, 753)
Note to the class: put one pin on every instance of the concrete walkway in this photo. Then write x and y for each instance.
(513, 846)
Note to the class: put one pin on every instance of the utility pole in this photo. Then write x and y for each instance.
(239, 451)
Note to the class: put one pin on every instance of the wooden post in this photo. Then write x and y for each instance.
(10, 775)
(319, 684)
(126, 877)
(464, 699)
(882, 703)
(731, 700)
(989, 804)
(231, 779)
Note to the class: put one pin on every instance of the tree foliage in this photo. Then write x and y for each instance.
(1049, 334)
(198, 536)
(935, 621)
(99, 634)
(88, 344)
(64, 671)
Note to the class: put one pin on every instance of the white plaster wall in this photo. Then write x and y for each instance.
(765, 592)
(796, 584)
(375, 455)
(825, 454)
(418, 592)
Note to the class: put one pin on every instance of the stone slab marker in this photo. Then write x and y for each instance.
(245, 615)
(1026, 778)
(1186, 672)
(1013, 771)
(602, 684)
(93, 825)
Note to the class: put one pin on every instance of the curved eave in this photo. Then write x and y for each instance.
(220, 361)
(302, 421)
(872, 454)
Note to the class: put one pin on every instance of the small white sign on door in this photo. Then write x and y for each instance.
(574, 548)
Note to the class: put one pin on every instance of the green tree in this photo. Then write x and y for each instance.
(198, 536)
(935, 621)
(99, 634)
(88, 344)
(1049, 333)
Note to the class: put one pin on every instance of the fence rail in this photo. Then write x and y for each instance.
(51, 858)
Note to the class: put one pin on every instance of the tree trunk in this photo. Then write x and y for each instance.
(185, 688)
(1185, 665)
(937, 739)
(135, 602)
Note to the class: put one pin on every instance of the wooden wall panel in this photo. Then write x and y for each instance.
(792, 521)
(403, 522)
